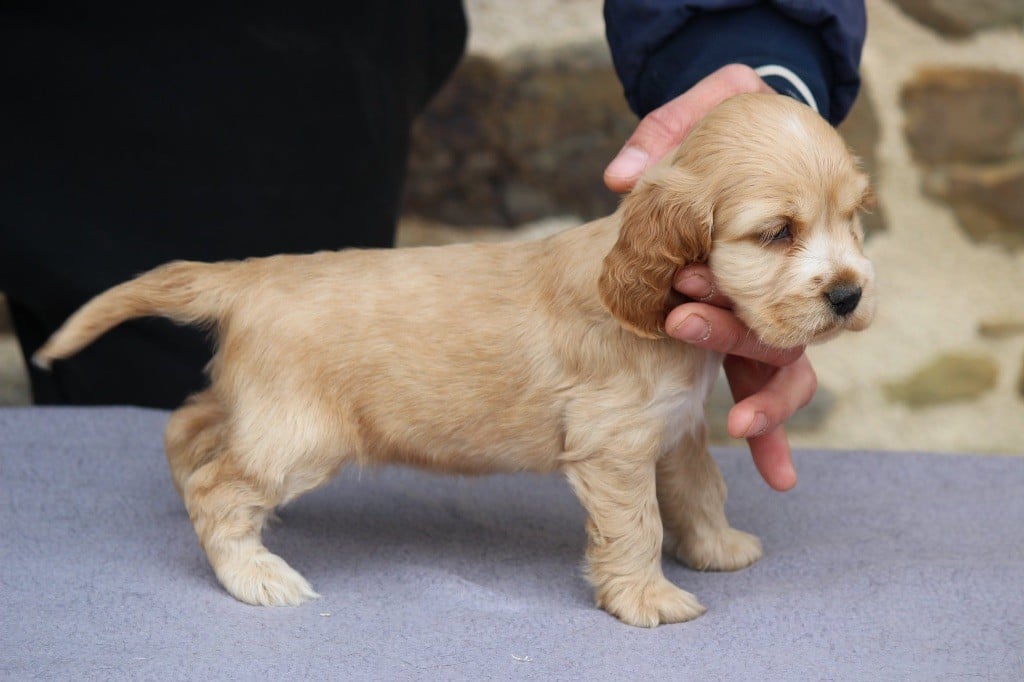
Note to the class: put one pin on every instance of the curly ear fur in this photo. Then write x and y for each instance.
(666, 223)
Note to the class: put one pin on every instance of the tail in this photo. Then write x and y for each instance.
(186, 292)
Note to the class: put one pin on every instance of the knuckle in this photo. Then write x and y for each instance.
(740, 78)
(699, 269)
(662, 125)
(731, 342)
(791, 356)
(812, 388)
(808, 383)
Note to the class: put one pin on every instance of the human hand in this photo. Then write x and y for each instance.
(768, 384)
(663, 129)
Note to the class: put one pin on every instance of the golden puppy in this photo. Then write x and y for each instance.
(541, 356)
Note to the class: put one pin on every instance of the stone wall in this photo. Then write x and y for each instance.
(523, 133)
(513, 140)
(964, 125)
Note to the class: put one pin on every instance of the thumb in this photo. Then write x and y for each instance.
(663, 129)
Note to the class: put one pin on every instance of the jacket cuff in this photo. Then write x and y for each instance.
(789, 56)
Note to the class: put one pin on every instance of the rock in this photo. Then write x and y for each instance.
(957, 18)
(967, 126)
(988, 200)
(1001, 328)
(512, 141)
(948, 378)
(957, 114)
(861, 131)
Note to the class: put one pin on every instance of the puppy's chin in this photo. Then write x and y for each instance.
(826, 335)
(787, 331)
(784, 332)
(786, 336)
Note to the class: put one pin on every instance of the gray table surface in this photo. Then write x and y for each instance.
(877, 566)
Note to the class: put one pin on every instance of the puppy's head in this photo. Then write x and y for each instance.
(766, 193)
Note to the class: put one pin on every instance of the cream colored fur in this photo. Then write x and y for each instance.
(546, 356)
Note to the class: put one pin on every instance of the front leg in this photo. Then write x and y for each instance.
(691, 495)
(625, 537)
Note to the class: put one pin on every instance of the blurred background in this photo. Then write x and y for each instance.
(516, 143)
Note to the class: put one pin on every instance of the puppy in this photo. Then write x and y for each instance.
(542, 356)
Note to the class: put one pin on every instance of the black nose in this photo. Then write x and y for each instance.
(844, 298)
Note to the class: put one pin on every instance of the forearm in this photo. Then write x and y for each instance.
(810, 51)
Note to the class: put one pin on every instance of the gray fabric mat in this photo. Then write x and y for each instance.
(877, 566)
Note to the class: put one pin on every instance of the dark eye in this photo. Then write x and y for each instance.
(783, 233)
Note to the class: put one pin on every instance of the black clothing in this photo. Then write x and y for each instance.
(137, 135)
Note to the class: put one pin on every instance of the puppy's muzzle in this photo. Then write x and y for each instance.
(844, 298)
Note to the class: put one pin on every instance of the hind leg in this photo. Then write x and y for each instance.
(228, 508)
(193, 436)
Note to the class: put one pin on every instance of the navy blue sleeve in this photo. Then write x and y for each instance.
(807, 49)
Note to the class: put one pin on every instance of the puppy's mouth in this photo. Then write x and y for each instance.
(827, 332)
(786, 330)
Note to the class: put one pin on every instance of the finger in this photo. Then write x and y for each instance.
(762, 406)
(696, 281)
(663, 129)
(712, 328)
(746, 376)
(766, 398)
(774, 459)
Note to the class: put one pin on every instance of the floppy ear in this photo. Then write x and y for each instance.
(666, 223)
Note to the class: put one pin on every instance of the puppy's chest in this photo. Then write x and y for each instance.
(679, 399)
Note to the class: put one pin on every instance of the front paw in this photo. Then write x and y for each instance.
(725, 550)
(265, 579)
(650, 604)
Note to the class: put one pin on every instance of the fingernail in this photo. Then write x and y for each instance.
(695, 286)
(693, 328)
(629, 163)
(758, 426)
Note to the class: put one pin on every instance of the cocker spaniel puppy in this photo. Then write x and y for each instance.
(540, 356)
